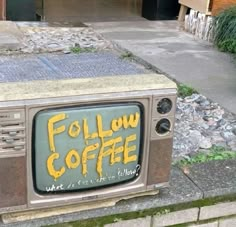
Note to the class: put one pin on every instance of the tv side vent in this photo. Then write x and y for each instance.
(12, 132)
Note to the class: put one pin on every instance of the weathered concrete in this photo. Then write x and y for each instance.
(175, 218)
(10, 36)
(85, 86)
(214, 178)
(178, 54)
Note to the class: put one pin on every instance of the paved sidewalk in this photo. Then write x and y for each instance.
(179, 54)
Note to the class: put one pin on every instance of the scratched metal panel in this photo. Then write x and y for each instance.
(57, 172)
(62, 66)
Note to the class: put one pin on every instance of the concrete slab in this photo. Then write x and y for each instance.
(215, 178)
(10, 36)
(177, 53)
(182, 190)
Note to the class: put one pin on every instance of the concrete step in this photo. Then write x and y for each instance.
(10, 36)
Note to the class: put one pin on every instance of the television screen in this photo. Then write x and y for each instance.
(86, 147)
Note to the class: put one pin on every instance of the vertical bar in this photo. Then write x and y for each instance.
(182, 13)
(2, 9)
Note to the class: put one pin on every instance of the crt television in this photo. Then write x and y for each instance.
(84, 140)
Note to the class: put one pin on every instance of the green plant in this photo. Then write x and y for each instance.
(228, 45)
(225, 30)
(78, 50)
(127, 55)
(215, 153)
(184, 90)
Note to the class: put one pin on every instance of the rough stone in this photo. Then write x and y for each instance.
(175, 218)
(234, 131)
(201, 124)
(232, 145)
(45, 39)
(205, 143)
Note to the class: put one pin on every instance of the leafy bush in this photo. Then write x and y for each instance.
(225, 30)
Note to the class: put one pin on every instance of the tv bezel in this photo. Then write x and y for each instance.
(87, 106)
(138, 185)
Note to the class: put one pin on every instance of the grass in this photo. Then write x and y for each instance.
(225, 30)
(78, 50)
(185, 90)
(214, 154)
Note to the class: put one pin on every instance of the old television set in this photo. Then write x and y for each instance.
(84, 140)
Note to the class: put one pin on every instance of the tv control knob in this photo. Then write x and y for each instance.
(163, 126)
(164, 106)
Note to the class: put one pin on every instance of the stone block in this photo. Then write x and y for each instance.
(174, 218)
(210, 224)
(141, 222)
(218, 210)
(230, 222)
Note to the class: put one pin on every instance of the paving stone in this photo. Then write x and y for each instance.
(218, 210)
(231, 222)
(215, 178)
(175, 218)
(141, 222)
(210, 224)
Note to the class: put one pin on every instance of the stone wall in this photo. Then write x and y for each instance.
(219, 215)
(199, 24)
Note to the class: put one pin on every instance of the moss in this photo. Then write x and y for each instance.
(78, 50)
